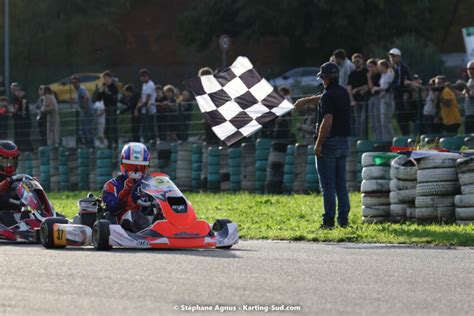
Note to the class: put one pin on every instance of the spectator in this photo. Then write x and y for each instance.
(344, 64)
(450, 116)
(162, 113)
(399, 85)
(50, 110)
(373, 80)
(171, 106)
(22, 120)
(3, 117)
(130, 99)
(387, 105)
(13, 89)
(147, 107)
(357, 87)
(185, 107)
(100, 119)
(84, 104)
(414, 100)
(469, 100)
(429, 109)
(41, 119)
(108, 93)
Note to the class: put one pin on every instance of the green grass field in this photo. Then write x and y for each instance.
(297, 217)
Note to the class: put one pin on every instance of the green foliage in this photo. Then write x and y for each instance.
(421, 56)
(297, 217)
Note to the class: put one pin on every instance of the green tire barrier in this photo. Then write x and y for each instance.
(235, 164)
(174, 160)
(213, 169)
(196, 167)
(312, 179)
(288, 170)
(83, 168)
(263, 147)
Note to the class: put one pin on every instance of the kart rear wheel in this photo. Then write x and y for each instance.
(100, 235)
(218, 226)
(47, 231)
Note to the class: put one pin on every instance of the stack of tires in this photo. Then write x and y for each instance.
(437, 184)
(163, 152)
(299, 168)
(83, 163)
(275, 166)
(184, 166)
(196, 167)
(453, 143)
(45, 167)
(401, 141)
(224, 169)
(93, 170)
(28, 158)
(36, 164)
(235, 168)
(261, 161)
(204, 170)
(289, 176)
(363, 146)
(248, 172)
(403, 189)
(63, 170)
(351, 172)
(105, 167)
(375, 188)
(312, 179)
(73, 169)
(465, 202)
(213, 166)
(173, 161)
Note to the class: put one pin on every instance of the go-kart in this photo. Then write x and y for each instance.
(27, 208)
(172, 223)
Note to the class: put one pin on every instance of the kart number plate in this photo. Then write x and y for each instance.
(59, 235)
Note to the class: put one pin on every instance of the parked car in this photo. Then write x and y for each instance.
(64, 91)
(297, 78)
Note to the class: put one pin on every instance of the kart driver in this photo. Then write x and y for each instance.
(9, 154)
(121, 194)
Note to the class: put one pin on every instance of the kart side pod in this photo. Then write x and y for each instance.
(58, 233)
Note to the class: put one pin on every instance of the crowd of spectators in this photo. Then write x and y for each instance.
(382, 92)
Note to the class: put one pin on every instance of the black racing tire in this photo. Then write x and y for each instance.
(47, 232)
(100, 235)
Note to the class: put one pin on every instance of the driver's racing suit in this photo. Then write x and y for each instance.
(6, 208)
(120, 196)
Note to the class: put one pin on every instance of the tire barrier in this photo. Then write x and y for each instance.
(263, 147)
(163, 155)
(224, 169)
(299, 168)
(453, 143)
(204, 170)
(83, 164)
(44, 168)
(213, 167)
(173, 160)
(104, 167)
(93, 165)
(63, 170)
(275, 168)
(288, 170)
(403, 171)
(248, 172)
(196, 167)
(464, 204)
(235, 168)
(184, 166)
(437, 181)
(28, 162)
(312, 177)
(376, 190)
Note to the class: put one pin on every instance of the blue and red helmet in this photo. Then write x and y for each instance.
(134, 160)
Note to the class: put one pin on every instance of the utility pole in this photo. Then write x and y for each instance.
(7, 49)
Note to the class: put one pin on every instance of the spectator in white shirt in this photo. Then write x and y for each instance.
(147, 107)
(387, 102)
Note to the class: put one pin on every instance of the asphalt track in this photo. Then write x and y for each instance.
(320, 279)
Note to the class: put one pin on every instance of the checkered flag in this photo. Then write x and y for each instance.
(236, 102)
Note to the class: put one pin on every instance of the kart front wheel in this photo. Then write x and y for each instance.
(47, 232)
(101, 234)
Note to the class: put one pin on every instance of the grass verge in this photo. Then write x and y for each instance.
(297, 217)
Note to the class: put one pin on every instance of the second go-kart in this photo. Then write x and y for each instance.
(29, 205)
(172, 223)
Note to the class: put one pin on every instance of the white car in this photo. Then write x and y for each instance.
(297, 77)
